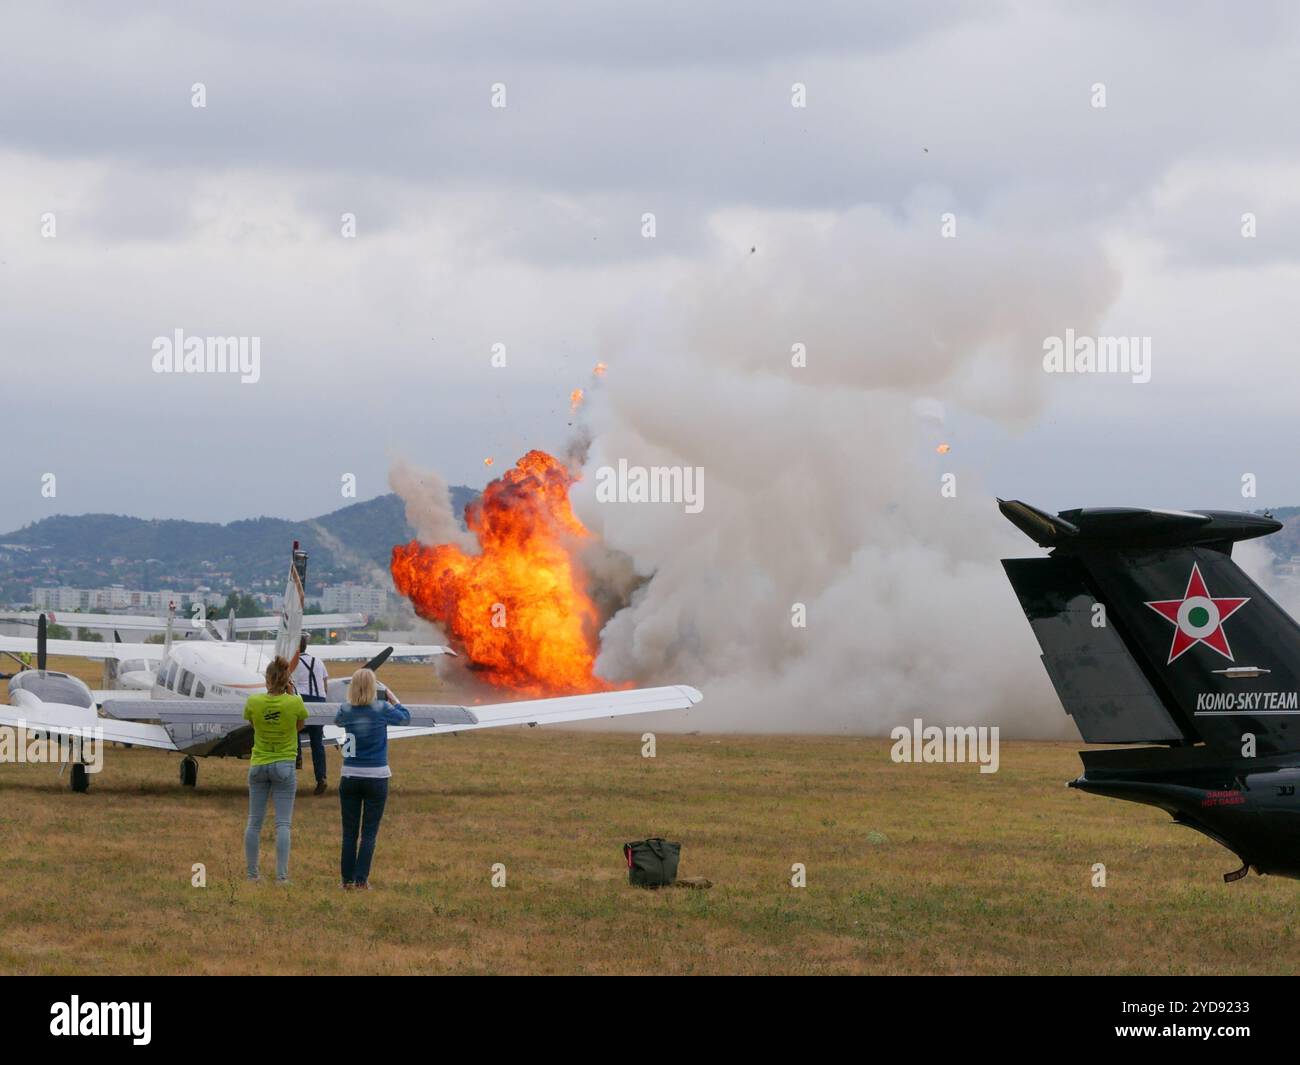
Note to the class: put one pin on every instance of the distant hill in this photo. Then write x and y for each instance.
(1285, 543)
(90, 550)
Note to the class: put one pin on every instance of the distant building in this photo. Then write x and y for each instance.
(57, 599)
(111, 599)
(119, 600)
(349, 598)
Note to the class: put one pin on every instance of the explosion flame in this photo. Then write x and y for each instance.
(520, 608)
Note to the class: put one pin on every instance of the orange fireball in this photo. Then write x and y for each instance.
(519, 608)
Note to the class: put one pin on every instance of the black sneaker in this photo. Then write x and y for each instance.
(321, 787)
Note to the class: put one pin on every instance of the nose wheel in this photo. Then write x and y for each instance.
(80, 778)
(189, 772)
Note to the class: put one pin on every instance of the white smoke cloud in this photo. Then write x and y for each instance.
(429, 509)
(400, 610)
(1260, 565)
(821, 485)
(374, 575)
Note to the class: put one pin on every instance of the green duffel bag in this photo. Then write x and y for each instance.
(652, 863)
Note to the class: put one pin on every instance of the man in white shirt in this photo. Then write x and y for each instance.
(311, 682)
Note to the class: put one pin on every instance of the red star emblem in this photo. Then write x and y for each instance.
(1197, 617)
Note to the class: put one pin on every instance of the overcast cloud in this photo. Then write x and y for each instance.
(522, 226)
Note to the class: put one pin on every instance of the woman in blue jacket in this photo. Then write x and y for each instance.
(363, 787)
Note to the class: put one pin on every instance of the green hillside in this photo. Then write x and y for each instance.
(91, 550)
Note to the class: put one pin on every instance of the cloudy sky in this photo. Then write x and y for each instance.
(126, 213)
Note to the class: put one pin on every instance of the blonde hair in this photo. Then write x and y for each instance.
(361, 692)
(277, 677)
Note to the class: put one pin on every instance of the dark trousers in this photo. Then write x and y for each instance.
(361, 800)
(316, 737)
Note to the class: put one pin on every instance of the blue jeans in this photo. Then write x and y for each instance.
(361, 800)
(279, 782)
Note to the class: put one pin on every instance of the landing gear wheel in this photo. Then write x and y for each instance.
(189, 772)
(80, 778)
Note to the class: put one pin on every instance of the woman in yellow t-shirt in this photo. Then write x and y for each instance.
(276, 716)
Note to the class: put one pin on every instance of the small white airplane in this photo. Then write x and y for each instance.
(134, 666)
(204, 649)
(198, 688)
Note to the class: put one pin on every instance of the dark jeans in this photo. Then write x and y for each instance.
(361, 800)
(316, 736)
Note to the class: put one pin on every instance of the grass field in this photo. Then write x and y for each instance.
(910, 869)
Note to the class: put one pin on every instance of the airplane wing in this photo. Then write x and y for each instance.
(428, 719)
(122, 622)
(64, 720)
(82, 648)
(555, 711)
(149, 623)
(362, 651)
(309, 621)
(350, 651)
(212, 711)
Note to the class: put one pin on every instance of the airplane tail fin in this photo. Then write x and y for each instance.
(1152, 634)
(168, 631)
(291, 606)
(108, 679)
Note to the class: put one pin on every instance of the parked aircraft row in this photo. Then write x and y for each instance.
(187, 695)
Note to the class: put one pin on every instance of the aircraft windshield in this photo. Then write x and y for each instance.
(54, 687)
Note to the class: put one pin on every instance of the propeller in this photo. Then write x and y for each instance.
(379, 659)
(40, 643)
(230, 626)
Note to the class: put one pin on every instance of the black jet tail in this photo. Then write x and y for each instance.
(1151, 633)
